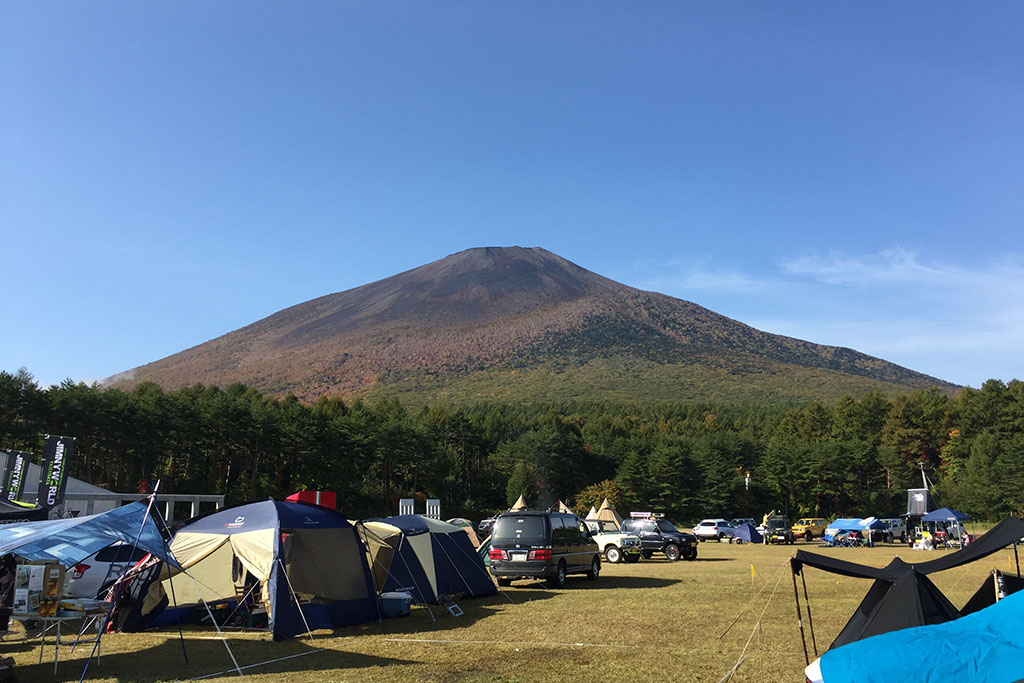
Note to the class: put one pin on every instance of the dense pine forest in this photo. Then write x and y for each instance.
(852, 457)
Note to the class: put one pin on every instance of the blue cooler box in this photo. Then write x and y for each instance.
(395, 604)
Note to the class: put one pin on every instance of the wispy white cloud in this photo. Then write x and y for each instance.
(957, 321)
(902, 267)
(678, 277)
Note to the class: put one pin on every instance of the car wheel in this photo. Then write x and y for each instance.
(691, 554)
(613, 554)
(808, 537)
(632, 559)
(720, 537)
(647, 554)
(504, 583)
(701, 539)
(903, 538)
(558, 580)
(672, 552)
(595, 569)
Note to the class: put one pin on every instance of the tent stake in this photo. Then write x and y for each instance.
(799, 619)
(810, 621)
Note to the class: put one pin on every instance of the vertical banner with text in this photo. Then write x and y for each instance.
(14, 476)
(54, 476)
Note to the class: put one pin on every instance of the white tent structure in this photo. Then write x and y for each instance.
(520, 504)
(593, 513)
(608, 513)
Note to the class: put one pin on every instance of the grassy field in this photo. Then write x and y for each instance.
(684, 621)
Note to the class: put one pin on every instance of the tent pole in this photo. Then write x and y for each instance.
(170, 582)
(120, 585)
(1016, 557)
(295, 597)
(810, 621)
(799, 619)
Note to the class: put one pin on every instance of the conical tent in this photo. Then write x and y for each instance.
(276, 550)
(593, 513)
(562, 507)
(608, 514)
(518, 505)
(425, 557)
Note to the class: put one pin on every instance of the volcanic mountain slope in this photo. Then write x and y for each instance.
(509, 323)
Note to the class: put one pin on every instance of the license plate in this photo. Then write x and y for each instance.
(518, 557)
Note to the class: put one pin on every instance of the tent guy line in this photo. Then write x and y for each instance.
(506, 642)
(251, 666)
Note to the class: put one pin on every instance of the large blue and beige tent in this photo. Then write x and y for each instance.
(305, 563)
(425, 557)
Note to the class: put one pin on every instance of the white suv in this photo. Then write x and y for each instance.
(717, 529)
(88, 577)
(615, 545)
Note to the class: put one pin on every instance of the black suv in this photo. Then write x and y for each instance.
(660, 536)
(542, 545)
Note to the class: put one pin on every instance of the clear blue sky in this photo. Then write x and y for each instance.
(846, 173)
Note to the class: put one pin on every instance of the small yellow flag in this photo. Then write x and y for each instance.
(753, 573)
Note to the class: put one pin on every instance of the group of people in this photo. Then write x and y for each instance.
(931, 540)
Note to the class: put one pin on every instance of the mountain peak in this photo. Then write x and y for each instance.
(519, 323)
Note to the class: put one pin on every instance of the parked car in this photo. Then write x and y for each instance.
(660, 536)
(740, 521)
(531, 544)
(778, 530)
(809, 528)
(713, 529)
(88, 577)
(615, 546)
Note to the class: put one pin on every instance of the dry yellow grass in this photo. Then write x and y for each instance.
(652, 620)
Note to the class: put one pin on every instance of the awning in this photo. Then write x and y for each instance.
(71, 540)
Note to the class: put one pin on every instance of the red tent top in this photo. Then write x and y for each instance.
(327, 499)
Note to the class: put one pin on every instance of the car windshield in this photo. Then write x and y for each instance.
(520, 528)
(666, 525)
(776, 524)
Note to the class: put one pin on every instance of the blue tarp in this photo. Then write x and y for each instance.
(984, 647)
(747, 532)
(945, 515)
(847, 525)
(71, 540)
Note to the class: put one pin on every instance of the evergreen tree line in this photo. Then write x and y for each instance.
(855, 457)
